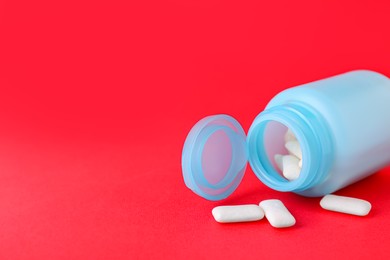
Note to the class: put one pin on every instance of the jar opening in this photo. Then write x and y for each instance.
(266, 138)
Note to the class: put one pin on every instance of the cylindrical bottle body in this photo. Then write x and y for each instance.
(356, 109)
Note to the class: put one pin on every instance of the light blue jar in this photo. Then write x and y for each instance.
(342, 124)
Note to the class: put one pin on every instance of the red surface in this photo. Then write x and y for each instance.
(96, 101)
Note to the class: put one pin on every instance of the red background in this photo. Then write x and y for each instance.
(97, 98)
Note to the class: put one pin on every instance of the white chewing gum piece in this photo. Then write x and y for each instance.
(289, 136)
(239, 213)
(346, 205)
(279, 161)
(277, 214)
(294, 148)
(291, 169)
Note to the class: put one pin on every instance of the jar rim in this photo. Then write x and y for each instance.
(316, 145)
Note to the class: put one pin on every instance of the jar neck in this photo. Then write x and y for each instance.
(315, 140)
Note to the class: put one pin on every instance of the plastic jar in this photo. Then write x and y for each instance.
(342, 124)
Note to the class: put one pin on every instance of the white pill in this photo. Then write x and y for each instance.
(294, 148)
(291, 169)
(300, 163)
(279, 161)
(277, 214)
(239, 213)
(346, 205)
(289, 136)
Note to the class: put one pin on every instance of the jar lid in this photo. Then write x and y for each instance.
(214, 157)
